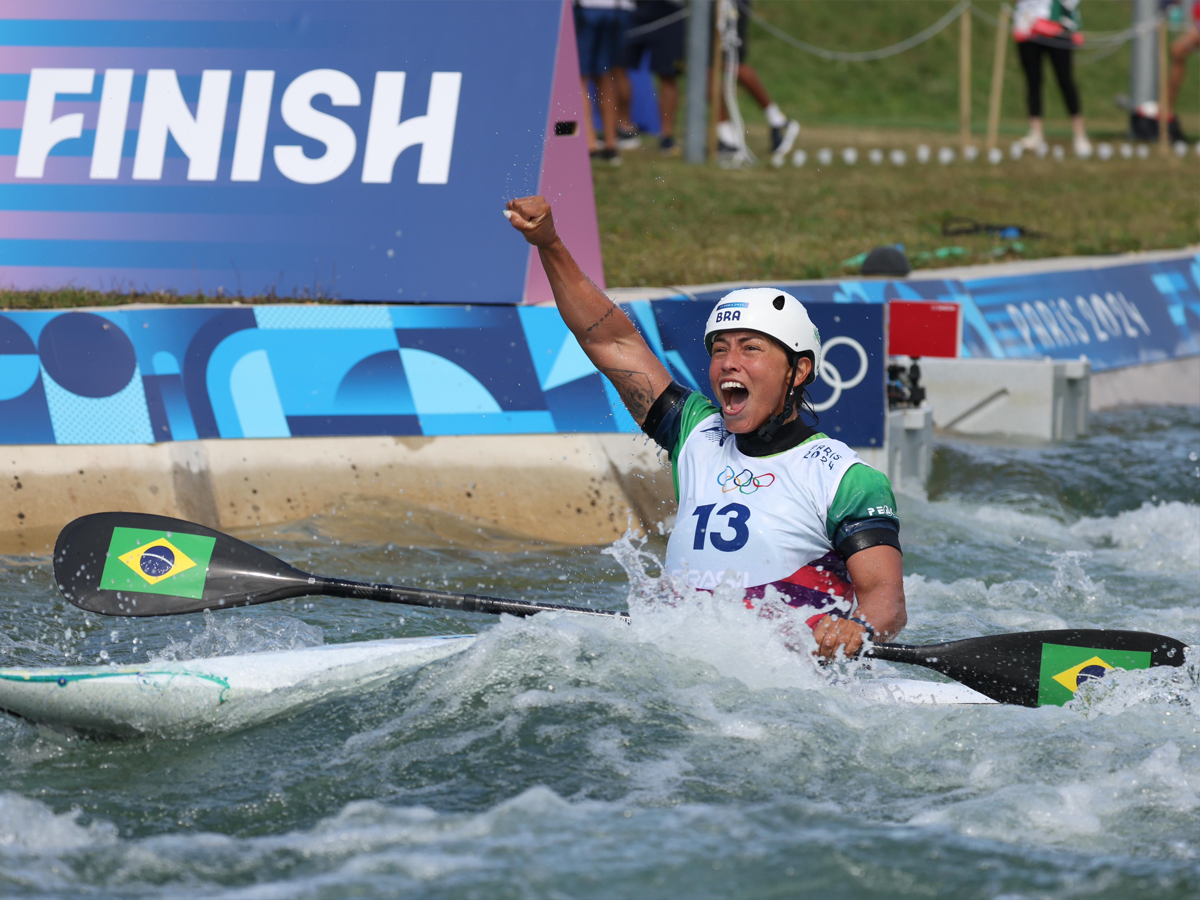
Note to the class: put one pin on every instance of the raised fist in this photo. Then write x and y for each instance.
(532, 217)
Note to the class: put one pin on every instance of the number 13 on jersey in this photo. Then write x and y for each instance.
(736, 515)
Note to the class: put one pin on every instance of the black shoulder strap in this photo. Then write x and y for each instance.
(665, 409)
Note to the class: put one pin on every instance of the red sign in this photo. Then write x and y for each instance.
(919, 328)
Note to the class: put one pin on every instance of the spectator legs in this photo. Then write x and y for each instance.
(1060, 58)
(1183, 47)
(1030, 54)
(588, 116)
(668, 104)
(606, 91)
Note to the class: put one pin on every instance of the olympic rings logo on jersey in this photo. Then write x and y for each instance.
(831, 376)
(744, 481)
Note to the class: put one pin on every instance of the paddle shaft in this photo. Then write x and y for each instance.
(901, 653)
(431, 599)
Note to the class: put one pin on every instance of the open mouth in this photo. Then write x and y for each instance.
(734, 395)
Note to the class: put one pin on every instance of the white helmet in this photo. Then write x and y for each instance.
(772, 312)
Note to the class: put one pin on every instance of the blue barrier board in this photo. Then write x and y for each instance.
(155, 375)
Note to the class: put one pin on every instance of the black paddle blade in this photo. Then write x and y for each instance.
(1038, 668)
(133, 564)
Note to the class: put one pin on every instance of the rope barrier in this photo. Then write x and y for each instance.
(656, 24)
(869, 55)
(1100, 40)
(727, 17)
(1095, 56)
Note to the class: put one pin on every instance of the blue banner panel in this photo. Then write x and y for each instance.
(1118, 316)
(1114, 316)
(184, 373)
(297, 147)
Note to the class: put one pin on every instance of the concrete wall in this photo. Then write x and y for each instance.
(576, 489)
(1175, 381)
(1036, 398)
(570, 488)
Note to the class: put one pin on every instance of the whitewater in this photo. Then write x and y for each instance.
(691, 754)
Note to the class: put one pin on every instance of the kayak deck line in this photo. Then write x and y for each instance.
(65, 677)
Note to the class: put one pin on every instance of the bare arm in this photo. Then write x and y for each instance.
(878, 577)
(602, 329)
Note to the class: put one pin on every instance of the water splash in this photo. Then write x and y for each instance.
(766, 644)
(1071, 582)
(1156, 537)
(30, 826)
(228, 634)
(1175, 688)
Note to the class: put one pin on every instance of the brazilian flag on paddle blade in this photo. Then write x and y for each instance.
(1065, 669)
(157, 562)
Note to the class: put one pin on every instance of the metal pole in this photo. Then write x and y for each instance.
(964, 78)
(697, 85)
(993, 132)
(1143, 58)
(716, 70)
(1164, 96)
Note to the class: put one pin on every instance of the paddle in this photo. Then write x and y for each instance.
(1037, 668)
(133, 564)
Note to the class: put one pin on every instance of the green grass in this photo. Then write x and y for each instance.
(71, 296)
(663, 222)
(919, 88)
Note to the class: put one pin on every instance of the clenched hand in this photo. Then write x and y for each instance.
(532, 217)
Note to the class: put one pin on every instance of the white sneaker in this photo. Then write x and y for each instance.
(1034, 142)
(1083, 147)
(787, 141)
(782, 139)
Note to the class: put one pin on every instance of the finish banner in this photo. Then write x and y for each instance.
(355, 151)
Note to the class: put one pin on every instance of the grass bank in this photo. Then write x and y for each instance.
(663, 222)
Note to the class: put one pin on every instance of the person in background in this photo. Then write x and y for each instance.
(1181, 48)
(784, 131)
(598, 35)
(627, 132)
(657, 28)
(1049, 28)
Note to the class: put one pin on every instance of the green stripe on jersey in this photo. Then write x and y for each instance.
(696, 408)
(864, 493)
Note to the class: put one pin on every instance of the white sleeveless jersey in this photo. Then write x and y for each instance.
(755, 520)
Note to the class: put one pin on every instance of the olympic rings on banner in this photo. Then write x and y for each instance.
(832, 377)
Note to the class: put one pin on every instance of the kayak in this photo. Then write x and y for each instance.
(224, 693)
(220, 693)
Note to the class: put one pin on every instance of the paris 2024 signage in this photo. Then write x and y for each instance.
(357, 151)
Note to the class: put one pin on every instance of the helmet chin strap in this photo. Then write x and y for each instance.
(768, 429)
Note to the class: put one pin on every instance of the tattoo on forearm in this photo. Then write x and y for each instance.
(612, 308)
(635, 389)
